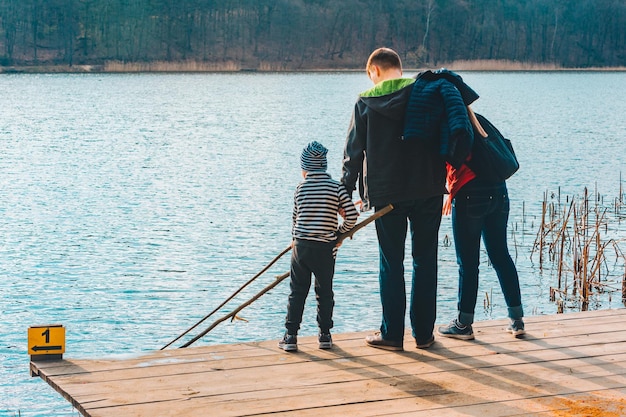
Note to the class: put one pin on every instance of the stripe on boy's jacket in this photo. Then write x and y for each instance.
(318, 219)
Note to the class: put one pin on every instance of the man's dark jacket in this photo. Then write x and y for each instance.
(388, 168)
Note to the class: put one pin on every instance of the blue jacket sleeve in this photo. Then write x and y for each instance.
(459, 133)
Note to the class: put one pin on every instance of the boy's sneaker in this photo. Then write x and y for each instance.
(457, 330)
(289, 343)
(325, 340)
(516, 328)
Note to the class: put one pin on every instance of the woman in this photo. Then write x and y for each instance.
(480, 208)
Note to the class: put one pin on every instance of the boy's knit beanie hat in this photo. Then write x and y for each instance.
(313, 157)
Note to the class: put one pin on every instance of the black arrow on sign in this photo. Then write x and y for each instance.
(38, 348)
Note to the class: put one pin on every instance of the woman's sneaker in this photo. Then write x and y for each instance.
(325, 340)
(516, 328)
(457, 330)
(289, 343)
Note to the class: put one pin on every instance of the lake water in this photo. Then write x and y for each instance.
(131, 205)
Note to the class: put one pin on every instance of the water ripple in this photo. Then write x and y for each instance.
(132, 205)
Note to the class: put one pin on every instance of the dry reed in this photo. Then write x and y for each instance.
(577, 239)
(510, 65)
(162, 66)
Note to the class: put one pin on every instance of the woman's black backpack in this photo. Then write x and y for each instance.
(493, 158)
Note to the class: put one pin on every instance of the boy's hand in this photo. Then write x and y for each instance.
(357, 204)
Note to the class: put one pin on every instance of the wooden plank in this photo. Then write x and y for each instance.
(275, 358)
(420, 394)
(267, 356)
(448, 360)
(251, 351)
(603, 340)
(562, 356)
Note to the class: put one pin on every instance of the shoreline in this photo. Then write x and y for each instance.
(114, 67)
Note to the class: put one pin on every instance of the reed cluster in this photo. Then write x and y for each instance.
(165, 66)
(580, 239)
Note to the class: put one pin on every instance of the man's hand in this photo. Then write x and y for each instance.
(359, 206)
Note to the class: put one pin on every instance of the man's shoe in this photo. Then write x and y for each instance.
(325, 340)
(376, 341)
(516, 328)
(289, 343)
(426, 344)
(457, 330)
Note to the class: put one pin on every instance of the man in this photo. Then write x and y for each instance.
(410, 174)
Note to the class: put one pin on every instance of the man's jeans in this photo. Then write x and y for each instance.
(424, 218)
(483, 209)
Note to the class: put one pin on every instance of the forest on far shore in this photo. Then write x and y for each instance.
(278, 35)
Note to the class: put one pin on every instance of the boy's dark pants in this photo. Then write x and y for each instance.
(309, 257)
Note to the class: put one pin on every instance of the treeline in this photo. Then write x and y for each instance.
(311, 34)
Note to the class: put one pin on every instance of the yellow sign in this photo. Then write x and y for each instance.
(46, 340)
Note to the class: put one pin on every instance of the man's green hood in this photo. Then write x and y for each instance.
(389, 97)
(387, 87)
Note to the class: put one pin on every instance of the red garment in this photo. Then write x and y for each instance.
(455, 180)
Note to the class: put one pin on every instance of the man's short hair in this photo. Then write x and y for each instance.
(385, 58)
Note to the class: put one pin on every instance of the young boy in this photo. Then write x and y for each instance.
(317, 201)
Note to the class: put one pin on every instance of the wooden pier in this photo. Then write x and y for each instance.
(566, 365)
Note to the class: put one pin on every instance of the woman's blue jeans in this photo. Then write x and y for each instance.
(482, 209)
(423, 216)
